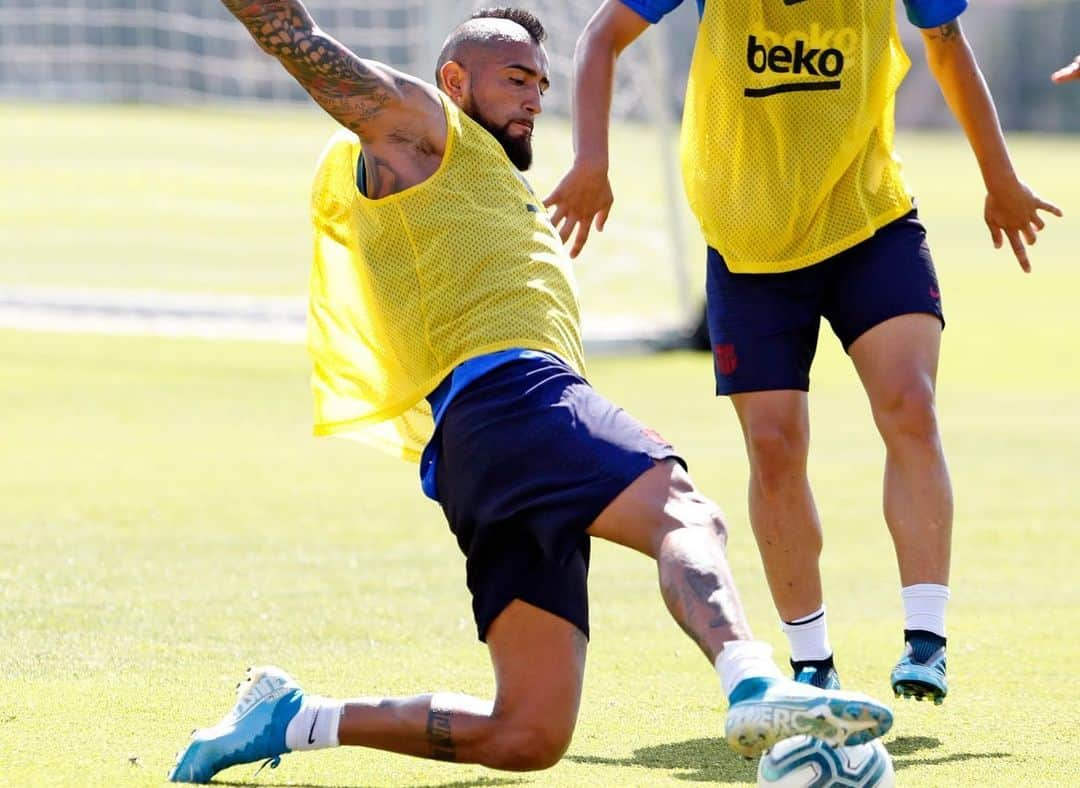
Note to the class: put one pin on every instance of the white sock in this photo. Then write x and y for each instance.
(924, 607)
(745, 659)
(808, 636)
(315, 725)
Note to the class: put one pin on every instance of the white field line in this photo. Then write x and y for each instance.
(236, 317)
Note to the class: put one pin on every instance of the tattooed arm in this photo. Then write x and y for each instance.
(366, 96)
(1011, 209)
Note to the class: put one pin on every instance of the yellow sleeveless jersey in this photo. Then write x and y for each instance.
(787, 138)
(405, 288)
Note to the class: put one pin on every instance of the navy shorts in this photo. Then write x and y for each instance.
(529, 456)
(764, 327)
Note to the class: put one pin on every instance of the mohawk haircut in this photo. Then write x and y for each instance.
(463, 34)
(519, 16)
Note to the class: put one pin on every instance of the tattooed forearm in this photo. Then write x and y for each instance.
(438, 734)
(335, 77)
(946, 32)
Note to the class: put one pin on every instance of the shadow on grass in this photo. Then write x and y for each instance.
(696, 760)
(477, 783)
(910, 745)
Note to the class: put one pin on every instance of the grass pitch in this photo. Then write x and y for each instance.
(166, 520)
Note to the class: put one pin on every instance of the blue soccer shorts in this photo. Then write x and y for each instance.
(764, 327)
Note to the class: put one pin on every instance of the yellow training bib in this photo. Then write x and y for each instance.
(405, 288)
(787, 137)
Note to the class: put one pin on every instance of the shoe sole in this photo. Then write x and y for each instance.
(753, 727)
(919, 683)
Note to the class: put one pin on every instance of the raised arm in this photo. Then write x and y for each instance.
(366, 96)
(584, 194)
(1011, 209)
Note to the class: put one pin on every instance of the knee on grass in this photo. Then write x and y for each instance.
(526, 745)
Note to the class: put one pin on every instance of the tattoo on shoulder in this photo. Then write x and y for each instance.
(438, 734)
(946, 32)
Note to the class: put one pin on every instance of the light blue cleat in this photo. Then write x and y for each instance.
(253, 730)
(920, 673)
(820, 677)
(764, 711)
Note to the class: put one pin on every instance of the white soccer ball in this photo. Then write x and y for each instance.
(802, 762)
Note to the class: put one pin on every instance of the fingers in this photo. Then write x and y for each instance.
(995, 234)
(580, 239)
(1029, 234)
(1049, 207)
(1019, 250)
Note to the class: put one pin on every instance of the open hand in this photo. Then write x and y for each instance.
(583, 197)
(1013, 213)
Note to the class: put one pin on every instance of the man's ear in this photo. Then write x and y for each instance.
(455, 80)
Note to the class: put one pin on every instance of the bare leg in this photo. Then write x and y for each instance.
(897, 362)
(539, 662)
(663, 516)
(776, 428)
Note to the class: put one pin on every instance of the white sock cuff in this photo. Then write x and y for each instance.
(808, 636)
(925, 591)
(810, 618)
(924, 607)
(744, 659)
(315, 725)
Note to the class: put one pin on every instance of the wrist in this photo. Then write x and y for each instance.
(591, 161)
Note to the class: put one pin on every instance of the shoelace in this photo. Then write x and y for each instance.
(273, 762)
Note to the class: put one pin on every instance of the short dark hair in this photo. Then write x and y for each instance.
(462, 36)
(527, 19)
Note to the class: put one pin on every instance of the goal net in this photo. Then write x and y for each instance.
(635, 277)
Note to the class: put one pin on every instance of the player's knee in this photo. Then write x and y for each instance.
(909, 414)
(522, 746)
(775, 448)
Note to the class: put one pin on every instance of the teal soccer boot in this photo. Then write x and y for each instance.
(920, 673)
(253, 730)
(764, 711)
(819, 673)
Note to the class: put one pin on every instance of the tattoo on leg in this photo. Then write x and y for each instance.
(438, 734)
(708, 590)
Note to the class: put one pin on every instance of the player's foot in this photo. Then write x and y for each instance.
(252, 731)
(764, 711)
(820, 673)
(920, 673)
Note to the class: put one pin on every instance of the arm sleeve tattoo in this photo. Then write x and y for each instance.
(351, 89)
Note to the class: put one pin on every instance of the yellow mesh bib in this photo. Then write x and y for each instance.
(787, 138)
(405, 288)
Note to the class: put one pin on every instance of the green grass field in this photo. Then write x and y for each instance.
(166, 518)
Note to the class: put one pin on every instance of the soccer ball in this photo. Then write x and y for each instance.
(802, 762)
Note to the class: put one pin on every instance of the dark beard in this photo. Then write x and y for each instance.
(518, 149)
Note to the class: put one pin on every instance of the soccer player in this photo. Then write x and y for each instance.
(1067, 73)
(441, 288)
(789, 167)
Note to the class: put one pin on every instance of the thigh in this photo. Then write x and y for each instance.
(888, 275)
(898, 360)
(763, 327)
(539, 662)
(660, 500)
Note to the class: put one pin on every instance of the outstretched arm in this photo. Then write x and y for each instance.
(584, 194)
(366, 96)
(1011, 207)
(1067, 73)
